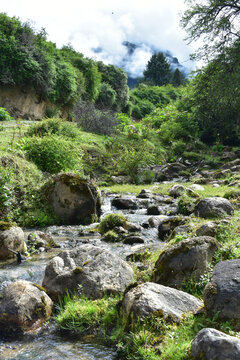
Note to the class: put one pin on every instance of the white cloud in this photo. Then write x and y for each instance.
(106, 24)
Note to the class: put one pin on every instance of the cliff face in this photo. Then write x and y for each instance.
(24, 104)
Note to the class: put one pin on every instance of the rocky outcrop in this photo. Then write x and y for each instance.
(211, 344)
(187, 259)
(222, 293)
(73, 199)
(89, 270)
(25, 104)
(213, 207)
(12, 238)
(158, 300)
(24, 306)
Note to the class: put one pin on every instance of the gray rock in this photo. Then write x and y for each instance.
(231, 164)
(172, 170)
(131, 227)
(24, 306)
(222, 293)
(144, 194)
(121, 179)
(40, 239)
(211, 344)
(196, 187)
(74, 200)
(176, 190)
(184, 260)
(162, 301)
(154, 210)
(154, 221)
(167, 225)
(133, 239)
(13, 239)
(208, 229)
(213, 207)
(124, 203)
(88, 269)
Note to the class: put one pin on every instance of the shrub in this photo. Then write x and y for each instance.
(53, 154)
(110, 221)
(4, 115)
(92, 120)
(110, 236)
(53, 126)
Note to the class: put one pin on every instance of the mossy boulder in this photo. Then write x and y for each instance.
(73, 199)
(24, 306)
(184, 260)
(213, 207)
(11, 238)
(222, 293)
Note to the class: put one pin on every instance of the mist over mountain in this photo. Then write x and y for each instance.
(136, 56)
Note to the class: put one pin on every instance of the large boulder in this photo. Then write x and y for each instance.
(213, 207)
(73, 199)
(211, 344)
(88, 269)
(172, 170)
(222, 293)
(11, 238)
(210, 228)
(184, 260)
(168, 224)
(159, 300)
(24, 306)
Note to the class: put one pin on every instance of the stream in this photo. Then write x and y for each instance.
(47, 343)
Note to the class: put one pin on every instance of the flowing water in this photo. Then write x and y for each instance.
(47, 343)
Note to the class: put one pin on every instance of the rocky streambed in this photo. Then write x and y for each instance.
(152, 220)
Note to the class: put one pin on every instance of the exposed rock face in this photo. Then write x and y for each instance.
(24, 104)
(213, 207)
(24, 306)
(222, 293)
(89, 269)
(162, 301)
(184, 260)
(211, 344)
(73, 199)
(13, 239)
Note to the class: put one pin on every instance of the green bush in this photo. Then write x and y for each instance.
(53, 154)
(4, 115)
(110, 236)
(53, 126)
(110, 221)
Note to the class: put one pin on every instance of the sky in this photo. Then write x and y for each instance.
(98, 28)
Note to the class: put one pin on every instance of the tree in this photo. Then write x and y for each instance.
(158, 70)
(178, 78)
(216, 98)
(215, 21)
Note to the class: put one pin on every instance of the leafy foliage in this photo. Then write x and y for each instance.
(110, 221)
(4, 115)
(158, 70)
(53, 153)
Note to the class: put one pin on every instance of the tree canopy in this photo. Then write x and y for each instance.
(216, 22)
(158, 70)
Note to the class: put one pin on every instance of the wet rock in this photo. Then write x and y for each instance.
(88, 269)
(154, 221)
(124, 204)
(159, 300)
(184, 260)
(213, 207)
(222, 293)
(131, 227)
(144, 194)
(12, 238)
(154, 210)
(167, 225)
(133, 239)
(208, 229)
(39, 239)
(211, 344)
(24, 306)
(73, 199)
